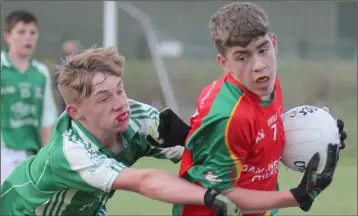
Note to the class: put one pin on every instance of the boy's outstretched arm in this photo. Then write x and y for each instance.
(166, 187)
(84, 167)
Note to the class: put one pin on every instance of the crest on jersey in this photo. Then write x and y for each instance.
(211, 176)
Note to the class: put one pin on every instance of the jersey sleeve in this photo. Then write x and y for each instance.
(82, 166)
(219, 149)
(49, 110)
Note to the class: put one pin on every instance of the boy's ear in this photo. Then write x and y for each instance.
(6, 37)
(274, 43)
(72, 111)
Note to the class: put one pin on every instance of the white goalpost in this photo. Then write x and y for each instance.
(109, 24)
(110, 39)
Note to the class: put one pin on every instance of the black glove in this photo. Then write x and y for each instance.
(313, 183)
(342, 134)
(170, 130)
(221, 205)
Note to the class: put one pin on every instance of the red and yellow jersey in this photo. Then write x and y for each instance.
(236, 140)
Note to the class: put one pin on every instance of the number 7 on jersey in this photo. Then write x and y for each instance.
(274, 128)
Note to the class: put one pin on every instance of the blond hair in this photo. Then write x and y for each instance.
(75, 74)
(237, 24)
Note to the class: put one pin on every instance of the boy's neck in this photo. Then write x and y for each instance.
(268, 97)
(106, 138)
(18, 61)
(16, 57)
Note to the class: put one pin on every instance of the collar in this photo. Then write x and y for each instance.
(131, 131)
(6, 61)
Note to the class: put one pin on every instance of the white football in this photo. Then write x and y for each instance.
(308, 129)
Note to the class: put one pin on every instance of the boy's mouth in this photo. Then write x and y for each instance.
(122, 116)
(262, 79)
(28, 46)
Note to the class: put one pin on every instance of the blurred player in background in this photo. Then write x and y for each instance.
(94, 142)
(69, 47)
(236, 136)
(28, 110)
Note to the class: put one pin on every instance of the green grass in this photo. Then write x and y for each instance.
(316, 83)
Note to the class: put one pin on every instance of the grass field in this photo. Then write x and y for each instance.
(316, 83)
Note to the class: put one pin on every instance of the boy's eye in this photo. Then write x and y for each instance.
(242, 58)
(102, 99)
(263, 51)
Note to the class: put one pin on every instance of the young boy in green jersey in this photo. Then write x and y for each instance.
(28, 110)
(93, 144)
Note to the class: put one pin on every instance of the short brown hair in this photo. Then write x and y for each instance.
(17, 16)
(77, 71)
(237, 24)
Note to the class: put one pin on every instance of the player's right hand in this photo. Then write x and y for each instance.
(313, 183)
(221, 205)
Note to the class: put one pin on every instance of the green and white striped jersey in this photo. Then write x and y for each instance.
(73, 173)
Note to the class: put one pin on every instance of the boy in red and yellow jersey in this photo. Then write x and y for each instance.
(236, 140)
(236, 137)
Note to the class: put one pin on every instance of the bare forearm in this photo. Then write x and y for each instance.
(45, 133)
(252, 201)
(165, 187)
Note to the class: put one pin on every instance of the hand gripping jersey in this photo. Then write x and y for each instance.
(73, 174)
(235, 140)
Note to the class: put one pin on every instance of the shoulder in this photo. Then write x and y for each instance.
(69, 151)
(40, 67)
(66, 145)
(226, 115)
(4, 60)
(224, 101)
(208, 93)
(142, 116)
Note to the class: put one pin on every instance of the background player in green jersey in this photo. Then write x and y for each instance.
(93, 143)
(28, 110)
